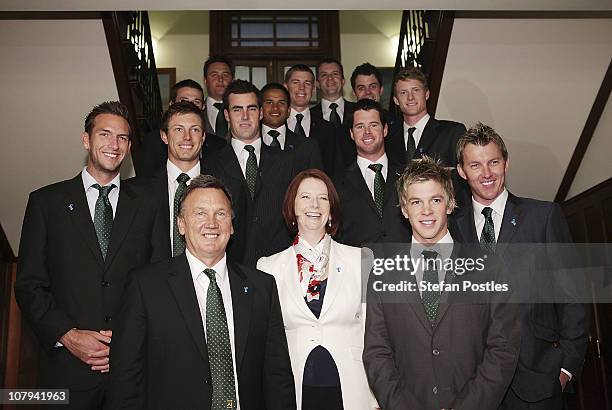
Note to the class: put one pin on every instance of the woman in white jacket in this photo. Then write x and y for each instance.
(319, 284)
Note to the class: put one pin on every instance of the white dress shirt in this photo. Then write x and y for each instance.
(420, 126)
(369, 174)
(93, 193)
(291, 121)
(267, 139)
(497, 215)
(327, 111)
(444, 247)
(212, 111)
(173, 173)
(200, 283)
(243, 154)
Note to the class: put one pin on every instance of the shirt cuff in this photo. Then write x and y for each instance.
(566, 372)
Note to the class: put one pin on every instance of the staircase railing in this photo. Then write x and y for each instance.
(130, 45)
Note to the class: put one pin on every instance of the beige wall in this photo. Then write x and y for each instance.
(596, 165)
(532, 80)
(52, 73)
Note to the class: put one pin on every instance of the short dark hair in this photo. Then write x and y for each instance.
(180, 108)
(241, 87)
(330, 60)
(366, 104)
(366, 69)
(298, 67)
(481, 135)
(203, 182)
(334, 200)
(107, 107)
(410, 73)
(422, 170)
(276, 86)
(187, 83)
(218, 58)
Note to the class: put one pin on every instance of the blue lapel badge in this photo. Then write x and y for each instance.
(513, 221)
(246, 289)
(71, 206)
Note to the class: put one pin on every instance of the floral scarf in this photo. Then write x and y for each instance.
(312, 265)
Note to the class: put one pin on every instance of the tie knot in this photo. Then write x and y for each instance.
(211, 274)
(183, 178)
(375, 167)
(218, 105)
(249, 148)
(487, 211)
(299, 117)
(104, 190)
(273, 133)
(333, 106)
(411, 131)
(429, 254)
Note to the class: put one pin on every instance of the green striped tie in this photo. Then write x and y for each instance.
(178, 242)
(251, 169)
(379, 188)
(487, 237)
(430, 298)
(219, 348)
(103, 217)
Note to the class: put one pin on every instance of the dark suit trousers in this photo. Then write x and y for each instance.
(513, 402)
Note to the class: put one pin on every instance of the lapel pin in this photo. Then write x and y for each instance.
(338, 269)
(513, 221)
(71, 206)
(246, 289)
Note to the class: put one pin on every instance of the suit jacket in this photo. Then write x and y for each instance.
(464, 361)
(339, 328)
(325, 135)
(361, 223)
(531, 221)
(306, 150)
(154, 152)
(259, 228)
(345, 146)
(158, 185)
(159, 354)
(62, 280)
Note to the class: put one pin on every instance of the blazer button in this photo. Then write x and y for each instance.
(435, 352)
(208, 381)
(107, 319)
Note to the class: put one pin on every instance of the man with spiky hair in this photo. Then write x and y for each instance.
(79, 240)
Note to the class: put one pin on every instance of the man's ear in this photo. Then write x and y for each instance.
(385, 130)
(461, 172)
(427, 95)
(226, 115)
(163, 136)
(85, 140)
(181, 224)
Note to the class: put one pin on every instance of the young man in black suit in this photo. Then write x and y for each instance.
(218, 73)
(199, 331)
(277, 135)
(79, 240)
(264, 174)
(153, 152)
(555, 336)
(367, 187)
(300, 82)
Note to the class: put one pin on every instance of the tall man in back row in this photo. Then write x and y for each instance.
(79, 240)
(554, 336)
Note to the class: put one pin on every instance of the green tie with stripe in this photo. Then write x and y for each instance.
(379, 187)
(251, 169)
(430, 298)
(103, 217)
(219, 348)
(178, 242)
(487, 237)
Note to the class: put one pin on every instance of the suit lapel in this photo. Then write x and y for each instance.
(510, 221)
(126, 210)
(266, 161)
(355, 178)
(348, 111)
(449, 278)
(335, 280)
(242, 301)
(464, 221)
(289, 268)
(160, 182)
(291, 141)
(78, 209)
(393, 173)
(231, 166)
(428, 137)
(181, 284)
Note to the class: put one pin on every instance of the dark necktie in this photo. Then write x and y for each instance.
(103, 217)
(487, 237)
(379, 187)
(220, 123)
(178, 242)
(410, 146)
(334, 117)
(219, 348)
(299, 130)
(430, 298)
(275, 143)
(251, 169)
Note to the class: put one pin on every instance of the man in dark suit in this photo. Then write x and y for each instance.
(199, 331)
(333, 107)
(264, 174)
(219, 71)
(153, 152)
(426, 347)
(79, 239)
(367, 187)
(554, 337)
(300, 82)
(275, 133)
